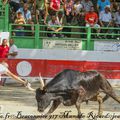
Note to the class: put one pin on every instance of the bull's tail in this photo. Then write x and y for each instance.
(107, 88)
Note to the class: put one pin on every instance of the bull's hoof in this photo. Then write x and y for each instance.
(100, 114)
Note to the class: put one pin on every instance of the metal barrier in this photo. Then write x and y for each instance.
(35, 35)
(4, 17)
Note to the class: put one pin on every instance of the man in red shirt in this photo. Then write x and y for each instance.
(4, 49)
(91, 19)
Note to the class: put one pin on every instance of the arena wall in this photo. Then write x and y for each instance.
(31, 62)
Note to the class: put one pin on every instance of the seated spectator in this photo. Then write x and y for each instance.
(4, 2)
(54, 26)
(28, 19)
(4, 49)
(117, 18)
(105, 19)
(87, 5)
(101, 4)
(114, 6)
(40, 11)
(68, 7)
(61, 17)
(25, 12)
(77, 8)
(91, 19)
(78, 13)
(20, 21)
(117, 22)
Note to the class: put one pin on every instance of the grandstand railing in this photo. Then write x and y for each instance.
(4, 17)
(37, 37)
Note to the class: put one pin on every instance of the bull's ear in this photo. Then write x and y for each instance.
(42, 91)
(45, 89)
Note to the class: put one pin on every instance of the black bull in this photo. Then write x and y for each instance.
(72, 87)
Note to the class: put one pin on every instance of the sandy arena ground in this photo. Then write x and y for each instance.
(18, 103)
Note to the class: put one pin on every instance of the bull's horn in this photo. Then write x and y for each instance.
(31, 89)
(41, 82)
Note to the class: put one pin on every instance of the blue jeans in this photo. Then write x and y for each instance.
(19, 33)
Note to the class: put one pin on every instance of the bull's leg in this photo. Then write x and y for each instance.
(56, 103)
(100, 101)
(107, 88)
(80, 99)
(78, 104)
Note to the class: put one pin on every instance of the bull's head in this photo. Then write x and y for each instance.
(42, 97)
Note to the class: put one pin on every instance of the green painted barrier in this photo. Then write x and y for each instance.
(39, 36)
(4, 17)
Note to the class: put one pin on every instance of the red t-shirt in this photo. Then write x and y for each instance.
(55, 5)
(91, 18)
(4, 51)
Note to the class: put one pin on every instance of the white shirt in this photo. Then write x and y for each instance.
(87, 5)
(78, 7)
(105, 17)
(12, 49)
(117, 18)
(3, 69)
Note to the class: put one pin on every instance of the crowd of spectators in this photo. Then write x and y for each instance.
(90, 13)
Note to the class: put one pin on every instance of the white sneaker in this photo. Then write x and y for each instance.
(118, 38)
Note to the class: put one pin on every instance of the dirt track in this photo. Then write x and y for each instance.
(17, 102)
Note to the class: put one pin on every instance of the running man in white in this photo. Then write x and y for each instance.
(4, 70)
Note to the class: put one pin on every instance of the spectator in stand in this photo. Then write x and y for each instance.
(77, 8)
(117, 22)
(68, 7)
(4, 49)
(78, 13)
(20, 21)
(117, 18)
(101, 4)
(87, 5)
(40, 11)
(4, 2)
(15, 4)
(52, 27)
(28, 19)
(32, 5)
(105, 19)
(25, 12)
(52, 6)
(91, 19)
(13, 51)
(61, 18)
